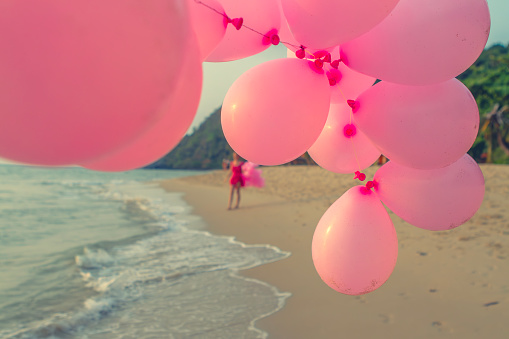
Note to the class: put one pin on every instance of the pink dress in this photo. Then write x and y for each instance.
(237, 175)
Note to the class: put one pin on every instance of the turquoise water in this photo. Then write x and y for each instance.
(87, 254)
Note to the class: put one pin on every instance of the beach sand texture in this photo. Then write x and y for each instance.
(450, 284)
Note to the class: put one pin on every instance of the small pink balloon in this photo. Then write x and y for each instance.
(422, 42)
(327, 23)
(423, 127)
(166, 134)
(435, 200)
(261, 15)
(208, 24)
(80, 78)
(276, 110)
(355, 246)
(341, 147)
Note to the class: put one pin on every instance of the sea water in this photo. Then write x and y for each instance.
(87, 254)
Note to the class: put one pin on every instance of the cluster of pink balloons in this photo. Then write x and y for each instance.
(322, 99)
(114, 85)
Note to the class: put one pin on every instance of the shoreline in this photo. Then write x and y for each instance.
(445, 284)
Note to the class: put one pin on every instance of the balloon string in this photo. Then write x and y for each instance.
(355, 154)
(199, 2)
(210, 7)
(344, 98)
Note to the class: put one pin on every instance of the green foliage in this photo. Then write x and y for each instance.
(488, 80)
(205, 148)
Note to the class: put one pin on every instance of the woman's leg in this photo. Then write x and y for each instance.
(237, 188)
(231, 197)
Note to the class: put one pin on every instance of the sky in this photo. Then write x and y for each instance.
(218, 77)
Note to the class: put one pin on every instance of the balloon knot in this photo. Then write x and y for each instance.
(237, 22)
(301, 52)
(334, 76)
(327, 58)
(359, 175)
(319, 63)
(350, 130)
(367, 188)
(335, 63)
(274, 39)
(370, 184)
(365, 191)
(271, 37)
(319, 54)
(353, 104)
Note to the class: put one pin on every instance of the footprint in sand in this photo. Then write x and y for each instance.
(387, 318)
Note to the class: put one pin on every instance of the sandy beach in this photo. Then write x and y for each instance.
(451, 284)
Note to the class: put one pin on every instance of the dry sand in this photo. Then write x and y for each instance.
(451, 284)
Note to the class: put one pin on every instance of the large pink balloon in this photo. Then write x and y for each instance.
(328, 23)
(81, 78)
(355, 246)
(423, 127)
(209, 26)
(435, 200)
(166, 134)
(276, 110)
(337, 151)
(259, 15)
(422, 42)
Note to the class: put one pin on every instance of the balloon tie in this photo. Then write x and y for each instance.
(334, 76)
(271, 37)
(353, 104)
(274, 39)
(350, 130)
(366, 190)
(335, 63)
(359, 175)
(301, 52)
(236, 22)
(327, 58)
(318, 63)
(371, 184)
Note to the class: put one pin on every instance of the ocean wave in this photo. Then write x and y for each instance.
(93, 259)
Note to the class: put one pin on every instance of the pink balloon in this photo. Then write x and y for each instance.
(261, 15)
(422, 42)
(435, 200)
(167, 133)
(276, 110)
(423, 127)
(81, 78)
(341, 147)
(327, 23)
(355, 246)
(208, 25)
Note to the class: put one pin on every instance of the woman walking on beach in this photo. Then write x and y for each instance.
(236, 180)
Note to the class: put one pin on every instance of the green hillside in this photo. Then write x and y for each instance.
(205, 148)
(487, 79)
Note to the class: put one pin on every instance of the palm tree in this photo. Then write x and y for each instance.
(494, 130)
